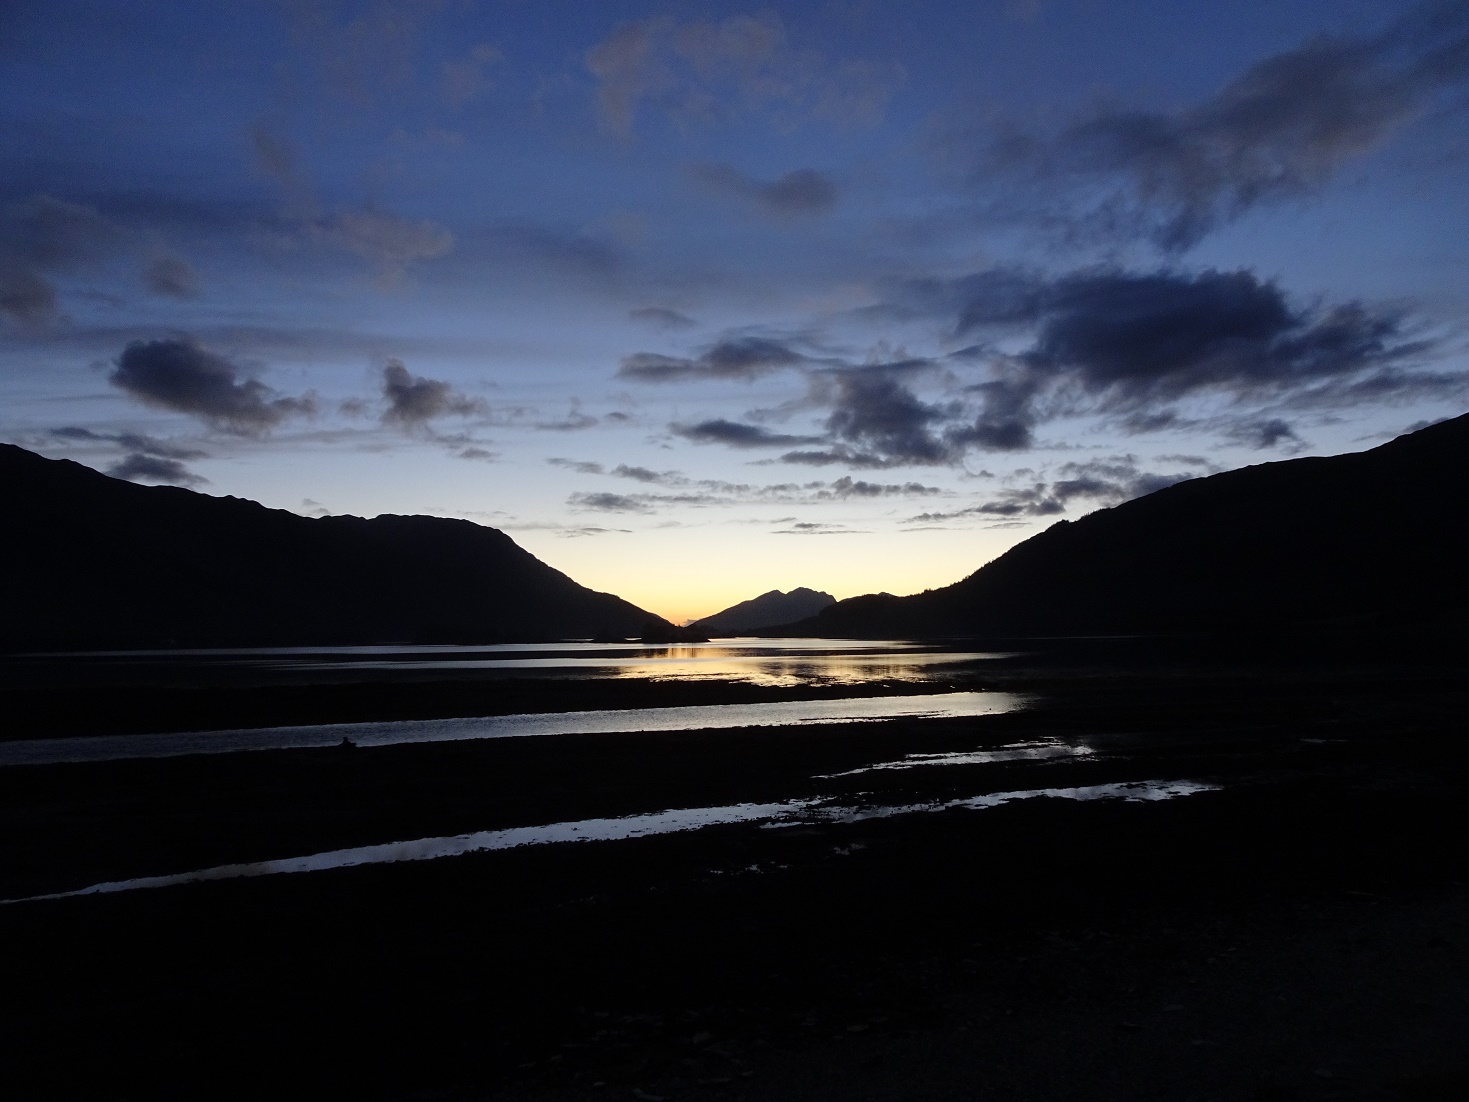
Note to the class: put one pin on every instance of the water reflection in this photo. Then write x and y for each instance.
(769, 662)
(771, 815)
(774, 662)
(704, 717)
(1020, 751)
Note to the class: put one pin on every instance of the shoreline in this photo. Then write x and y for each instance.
(1028, 950)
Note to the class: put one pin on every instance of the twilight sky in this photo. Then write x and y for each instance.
(697, 300)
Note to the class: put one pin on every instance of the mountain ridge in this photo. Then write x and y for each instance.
(1378, 535)
(109, 563)
(766, 610)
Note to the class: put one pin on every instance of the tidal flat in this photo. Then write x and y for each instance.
(1164, 876)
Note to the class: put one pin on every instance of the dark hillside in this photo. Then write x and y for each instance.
(93, 561)
(1375, 537)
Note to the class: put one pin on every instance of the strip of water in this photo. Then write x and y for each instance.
(786, 813)
(607, 721)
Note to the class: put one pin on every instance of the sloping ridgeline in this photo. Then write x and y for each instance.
(766, 610)
(92, 561)
(1371, 539)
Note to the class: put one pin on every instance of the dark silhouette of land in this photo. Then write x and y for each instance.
(1297, 929)
(765, 611)
(96, 562)
(1369, 541)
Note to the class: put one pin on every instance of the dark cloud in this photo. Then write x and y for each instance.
(132, 441)
(608, 503)
(1098, 482)
(171, 275)
(623, 470)
(577, 465)
(643, 474)
(26, 298)
(1131, 344)
(743, 358)
(875, 411)
(803, 192)
(181, 375)
(736, 434)
(813, 528)
(476, 453)
(662, 318)
(56, 235)
(148, 468)
(709, 492)
(40, 237)
(1281, 129)
(1271, 432)
(414, 401)
(848, 487)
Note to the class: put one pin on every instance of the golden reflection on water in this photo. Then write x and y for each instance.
(771, 662)
(697, 663)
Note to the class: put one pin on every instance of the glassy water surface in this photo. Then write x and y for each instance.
(769, 662)
(703, 717)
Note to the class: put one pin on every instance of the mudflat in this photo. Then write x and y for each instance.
(1294, 927)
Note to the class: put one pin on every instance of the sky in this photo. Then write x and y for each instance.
(699, 300)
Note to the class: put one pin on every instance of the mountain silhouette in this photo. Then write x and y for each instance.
(1371, 538)
(95, 562)
(765, 611)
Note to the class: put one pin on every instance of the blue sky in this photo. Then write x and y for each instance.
(698, 300)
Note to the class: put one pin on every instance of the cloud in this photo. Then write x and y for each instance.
(874, 410)
(1265, 433)
(1281, 129)
(847, 487)
(710, 492)
(643, 474)
(813, 528)
(41, 237)
(26, 298)
(742, 358)
(714, 72)
(477, 453)
(661, 317)
(181, 375)
(803, 192)
(577, 465)
(608, 503)
(146, 468)
(390, 243)
(56, 235)
(574, 421)
(414, 401)
(171, 275)
(1130, 345)
(736, 434)
(132, 441)
(1100, 482)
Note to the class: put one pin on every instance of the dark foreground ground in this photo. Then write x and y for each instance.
(1301, 933)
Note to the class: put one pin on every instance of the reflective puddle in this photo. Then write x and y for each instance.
(1035, 751)
(789, 813)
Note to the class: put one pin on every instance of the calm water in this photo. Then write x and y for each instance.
(771, 662)
(869, 709)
